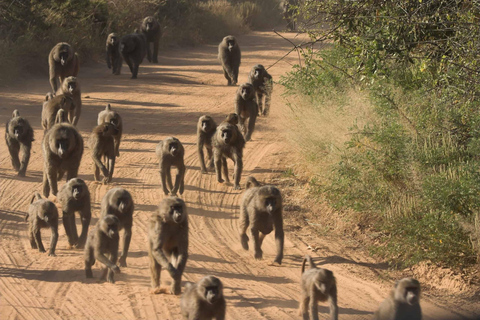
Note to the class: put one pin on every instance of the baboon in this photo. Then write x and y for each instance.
(102, 145)
(151, 29)
(232, 118)
(261, 208)
(133, 48)
(71, 89)
(19, 137)
(61, 116)
(288, 13)
(263, 84)
(246, 108)
(42, 213)
(113, 56)
(403, 303)
(168, 242)
(102, 241)
(75, 197)
(62, 148)
(170, 153)
(204, 300)
(113, 117)
(206, 127)
(228, 142)
(51, 107)
(62, 62)
(230, 56)
(317, 285)
(119, 202)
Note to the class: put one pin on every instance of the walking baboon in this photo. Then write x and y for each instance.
(168, 242)
(288, 13)
(71, 89)
(204, 300)
(403, 303)
(62, 62)
(229, 55)
(133, 48)
(170, 153)
(75, 197)
(317, 285)
(151, 29)
(263, 83)
(261, 208)
(113, 56)
(103, 240)
(19, 137)
(42, 213)
(119, 202)
(206, 127)
(62, 148)
(103, 146)
(113, 117)
(51, 107)
(246, 108)
(232, 118)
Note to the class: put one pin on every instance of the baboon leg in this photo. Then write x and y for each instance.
(53, 241)
(89, 262)
(225, 169)
(96, 172)
(235, 75)
(103, 275)
(38, 241)
(33, 244)
(113, 259)
(60, 174)
(127, 236)
(53, 82)
(14, 148)
(163, 177)
(111, 168)
(25, 159)
(313, 306)
(304, 307)
(71, 115)
(179, 180)
(333, 305)
(46, 185)
(201, 158)
(117, 146)
(241, 124)
(77, 112)
(179, 264)
(256, 244)
(135, 71)
(244, 222)
(149, 52)
(129, 63)
(260, 103)
(155, 50)
(155, 269)
(279, 239)
(68, 225)
(210, 158)
(218, 166)
(85, 217)
(266, 108)
(238, 170)
(251, 126)
(227, 76)
(52, 180)
(261, 236)
(169, 179)
(72, 173)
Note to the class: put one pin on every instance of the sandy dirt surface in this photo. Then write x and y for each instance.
(167, 100)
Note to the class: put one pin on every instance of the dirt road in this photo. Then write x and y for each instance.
(167, 100)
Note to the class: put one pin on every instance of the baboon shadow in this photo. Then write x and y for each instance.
(265, 302)
(44, 275)
(146, 207)
(338, 259)
(204, 258)
(31, 176)
(210, 214)
(230, 275)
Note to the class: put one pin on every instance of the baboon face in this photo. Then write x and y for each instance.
(63, 141)
(230, 44)
(18, 130)
(268, 199)
(258, 71)
(176, 212)
(211, 289)
(78, 188)
(226, 135)
(173, 209)
(71, 84)
(113, 119)
(113, 39)
(149, 24)
(206, 124)
(123, 203)
(173, 148)
(407, 290)
(246, 91)
(63, 54)
(109, 226)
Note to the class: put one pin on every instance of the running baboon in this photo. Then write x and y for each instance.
(19, 137)
(263, 83)
(119, 202)
(288, 13)
(71, 88)
(75, 197)
(261, 208)
(62, 62)
(168, 242)
(203, 300)
(170, 153)
(114, 118)
(151, 29)
(228, 142)
(403, 303)
(232, 118)
(133, 48)
(62, 148)
(230, 56)
(103, 240)
(42, 213)
(246, 108)
(51, 107)
(205, 130)
(103, 146)
(113, 56)
(317, 285)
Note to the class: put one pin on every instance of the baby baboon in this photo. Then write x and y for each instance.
(230, 56)
(228, 142)
(232, 118)
(205, 130)
(261, 208)
(113, 56)
(19, 135)
(119, 202)
(114, 118)
(263, 84)
(246, 108)
(63, 62)
(151, 29)
(204, 300)
(288, 13)
(42, 213)
(62, 148)
(403, 303)
(71, 89)
(51, 107)
(133, 48)
(102, 240)
(102, 145)
(168, 242)
(317, 285)
(75, 197)
(170, 153)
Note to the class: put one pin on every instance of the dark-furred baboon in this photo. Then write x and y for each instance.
(51, 107)
(263, 83)
(317, 285)
(113, 117)
(229, 55)
(113, 56)
(403, 303)
(19, 137)
(62, 62)
(102, 145)
(133, 48)
(119, 202)
(75, 197)
(261, 208)
(246, 108)
(71, 89)
(151, 29)
(206, 127)
(204, 300)
(42, 213)
(168, 242)
(170, 153)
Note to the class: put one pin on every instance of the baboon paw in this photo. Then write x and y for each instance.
(41, 250)
(275, 264)
(123, 263)
(258, 256)
(52, 254)
(237, 187)
(111, 280)
(175, 290)
(221, 181)
(159, 290)
(21, 174)
(204, 171)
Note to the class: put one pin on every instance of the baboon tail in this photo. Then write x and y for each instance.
(36, 196)
(251, 182)
(303, 263)
(108, 107)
